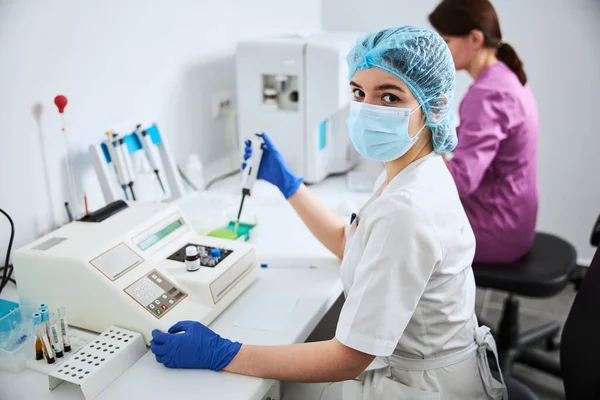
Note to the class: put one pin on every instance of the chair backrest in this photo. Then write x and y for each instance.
(580, 347)
(595, 238)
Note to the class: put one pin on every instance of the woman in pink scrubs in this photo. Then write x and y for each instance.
(495, 163)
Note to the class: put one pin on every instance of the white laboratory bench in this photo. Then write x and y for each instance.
(300, 273)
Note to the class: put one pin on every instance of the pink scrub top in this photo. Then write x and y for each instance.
(495, 164)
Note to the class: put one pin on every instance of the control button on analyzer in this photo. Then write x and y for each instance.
(164, 296)
(158, 280)
(151, 306)
(164, 307)
(156, 301)
(153, 276)
(158, 311)
(171, 301)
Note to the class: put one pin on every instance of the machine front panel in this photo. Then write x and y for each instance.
(117, 261)
(155, 293)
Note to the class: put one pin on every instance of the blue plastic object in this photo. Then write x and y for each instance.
(42, 306)
(13, 331)
(133, 142)
(45, 314)
(36, 319)
(216, 253)
(9, 314)
(274, 169)
(322, 134)
(190, 344)
(420, 58)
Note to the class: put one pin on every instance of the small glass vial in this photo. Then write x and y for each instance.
(192, 259)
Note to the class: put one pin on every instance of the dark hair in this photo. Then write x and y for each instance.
(460, 17)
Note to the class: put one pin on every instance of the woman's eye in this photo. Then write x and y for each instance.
(390, 98)
(358, 94)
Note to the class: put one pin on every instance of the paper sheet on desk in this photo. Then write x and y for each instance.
(270, 312)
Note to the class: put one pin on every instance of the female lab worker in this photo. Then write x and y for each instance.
(495, 163)
(406, 257)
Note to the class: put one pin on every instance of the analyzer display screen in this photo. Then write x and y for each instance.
(159, 235)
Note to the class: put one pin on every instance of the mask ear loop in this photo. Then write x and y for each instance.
(414, 138)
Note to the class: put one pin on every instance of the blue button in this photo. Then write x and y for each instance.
(216, 253)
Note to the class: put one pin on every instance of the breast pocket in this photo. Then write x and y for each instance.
(387, 388)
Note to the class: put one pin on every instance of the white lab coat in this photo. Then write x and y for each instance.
(410, 294)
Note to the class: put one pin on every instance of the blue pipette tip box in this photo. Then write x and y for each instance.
(15, 337)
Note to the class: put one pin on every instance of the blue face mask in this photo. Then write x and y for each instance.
(380, 133)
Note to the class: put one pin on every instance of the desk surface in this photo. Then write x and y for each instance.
(289, 273)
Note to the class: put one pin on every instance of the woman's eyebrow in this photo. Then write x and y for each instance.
(352, 83)
(389, 86)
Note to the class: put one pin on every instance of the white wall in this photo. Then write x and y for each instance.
(114, 60)
(558, 43)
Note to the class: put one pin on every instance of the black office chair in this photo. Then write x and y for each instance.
(543, 272)
(518, 391)
(579, 350)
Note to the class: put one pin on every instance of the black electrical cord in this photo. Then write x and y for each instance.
(7, 269)
(9, 274)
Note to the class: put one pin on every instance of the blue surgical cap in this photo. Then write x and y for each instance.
(421, 59)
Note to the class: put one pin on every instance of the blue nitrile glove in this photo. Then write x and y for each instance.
(274, 169)
(190, 344)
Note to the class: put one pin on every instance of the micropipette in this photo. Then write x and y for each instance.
(147, 144)
(250, 173)
(117, 160)
(127, 164)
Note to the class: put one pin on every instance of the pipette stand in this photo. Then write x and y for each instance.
(105, 171)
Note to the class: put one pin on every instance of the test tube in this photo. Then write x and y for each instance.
(55, 337)
(64, 328)
(45, 316)
(41, 335)
(36, 320)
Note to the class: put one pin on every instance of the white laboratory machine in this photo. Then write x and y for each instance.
(295, 89)
(124, 265)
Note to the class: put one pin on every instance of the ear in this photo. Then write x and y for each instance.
(476, 39)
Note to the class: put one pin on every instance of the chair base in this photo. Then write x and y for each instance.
(515, 346)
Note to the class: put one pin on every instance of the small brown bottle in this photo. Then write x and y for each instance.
(192, 259)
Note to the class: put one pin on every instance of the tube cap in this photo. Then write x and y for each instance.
(45, 314)
(36, 319)
(42, 306)
(216, 253)
(191, 251)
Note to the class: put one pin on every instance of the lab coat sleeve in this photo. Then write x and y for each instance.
(479, 135)
(400, 253)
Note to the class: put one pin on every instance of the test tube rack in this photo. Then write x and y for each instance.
(78, 338)
(100, 362)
